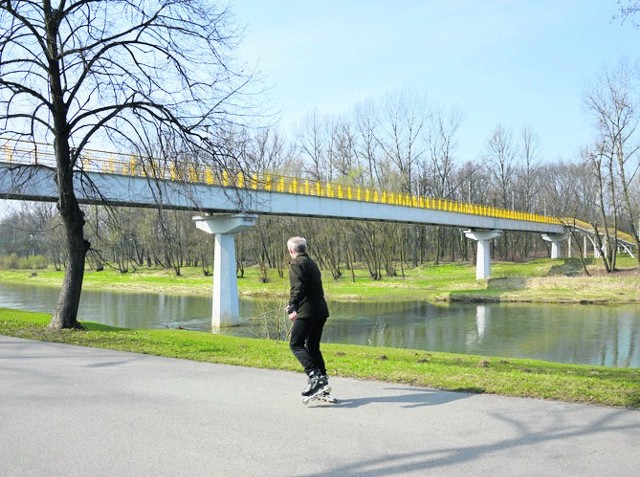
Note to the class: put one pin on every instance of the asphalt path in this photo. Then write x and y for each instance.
(75, 411)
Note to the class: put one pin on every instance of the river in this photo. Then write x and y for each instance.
(580, 334)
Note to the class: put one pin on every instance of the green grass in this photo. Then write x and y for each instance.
(543, 280)
(618, 387)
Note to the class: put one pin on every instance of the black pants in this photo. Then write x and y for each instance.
(305, 343)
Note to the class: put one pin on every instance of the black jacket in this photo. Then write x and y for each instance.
(306, 296)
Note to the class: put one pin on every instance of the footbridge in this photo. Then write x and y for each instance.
(588, 233)
(229, 201)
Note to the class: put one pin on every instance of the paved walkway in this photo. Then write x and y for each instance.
(74, 411)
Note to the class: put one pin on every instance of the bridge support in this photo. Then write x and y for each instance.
(225, 310)
(483, 255)
(556, 243)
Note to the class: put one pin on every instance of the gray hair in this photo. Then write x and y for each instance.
(297, 244)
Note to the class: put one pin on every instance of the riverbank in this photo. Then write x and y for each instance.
(538, 281)
(619, 387)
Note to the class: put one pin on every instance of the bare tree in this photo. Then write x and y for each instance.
(367, 148)
(526, 181)
(437, 176)
(401, 136)
(613, 103)
(116, 73)
(312, 141)
(500, 160)
(629, 8)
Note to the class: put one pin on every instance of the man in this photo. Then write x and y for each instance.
(308, 311)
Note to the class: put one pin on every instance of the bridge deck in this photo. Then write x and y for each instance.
(123, 180)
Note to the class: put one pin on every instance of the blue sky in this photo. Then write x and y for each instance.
(513, 63)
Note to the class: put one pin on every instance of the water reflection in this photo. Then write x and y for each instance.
(585, 334)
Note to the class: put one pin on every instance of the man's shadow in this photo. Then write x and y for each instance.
(407, 396)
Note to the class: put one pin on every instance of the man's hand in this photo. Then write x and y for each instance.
(290, 310)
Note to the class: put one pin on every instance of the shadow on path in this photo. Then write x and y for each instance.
(408, 397)
(439, 459)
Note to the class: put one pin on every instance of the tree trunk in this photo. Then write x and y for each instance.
(66, 313)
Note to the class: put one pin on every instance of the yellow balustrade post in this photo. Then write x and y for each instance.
(318, 189)
(307, 187)
(367, 194)
(240, 180)
(267, 183)
(340, 191)
(349, 193)
(85, 163)
(375, 196)
(359, 194)
(225, 178)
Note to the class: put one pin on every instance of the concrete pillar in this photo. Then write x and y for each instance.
(556, 243)
(483, 256)
(225, 310)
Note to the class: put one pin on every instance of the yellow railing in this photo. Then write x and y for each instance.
(130, 165)
(587, 227)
